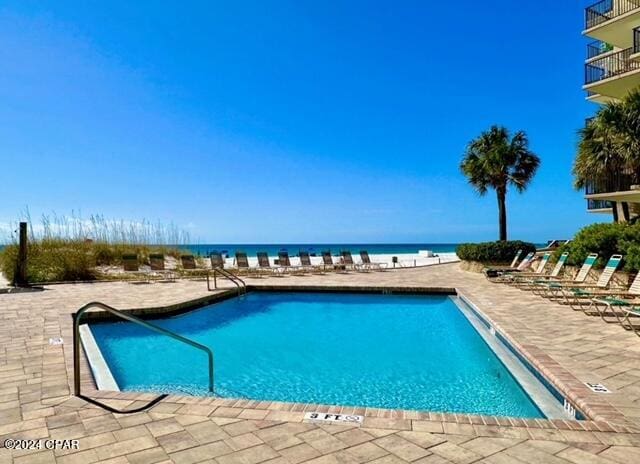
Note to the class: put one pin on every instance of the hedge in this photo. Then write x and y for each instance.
(493, 252)
(606, 240)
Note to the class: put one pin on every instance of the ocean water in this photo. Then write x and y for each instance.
(389, 351)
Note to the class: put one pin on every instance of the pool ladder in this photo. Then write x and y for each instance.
(136, 320)
(237, 281)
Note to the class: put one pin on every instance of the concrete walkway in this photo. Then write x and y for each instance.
(35, 387)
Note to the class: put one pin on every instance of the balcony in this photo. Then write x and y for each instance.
(598, 48)
(611, 21)
(599, 206)
(617, 187)
(612, 75)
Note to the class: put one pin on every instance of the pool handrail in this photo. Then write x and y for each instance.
(237, 281)
(136, 320)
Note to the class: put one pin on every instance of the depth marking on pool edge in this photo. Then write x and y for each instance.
(327, 418)
(597, 387)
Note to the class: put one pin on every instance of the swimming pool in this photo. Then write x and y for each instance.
(397, 351)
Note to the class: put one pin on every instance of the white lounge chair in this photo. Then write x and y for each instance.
(547, 287)
(615, 304)
(531, 283)
(517, 277)
(576, 295)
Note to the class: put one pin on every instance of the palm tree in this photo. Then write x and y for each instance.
(609, 145)
(496, 160)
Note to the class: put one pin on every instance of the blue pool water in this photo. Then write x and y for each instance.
(390, 351)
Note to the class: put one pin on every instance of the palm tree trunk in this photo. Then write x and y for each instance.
(502, 212)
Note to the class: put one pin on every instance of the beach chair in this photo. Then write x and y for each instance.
(347, 260)
(188, 262)
(616, 304)
(190, 267)
(366, 262)
(217, 261)
(305, 262)
(264, 265)
(629, 313)
(532, 282)
(285, 263)
(131, 267)
(491, 272)
(504, 275)
(517, 278)
(242, 264)
(130, 263)
(577, 295)
(156, 263)
(548, 286)
(328, 263)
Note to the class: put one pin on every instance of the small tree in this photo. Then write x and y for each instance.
(496, 160)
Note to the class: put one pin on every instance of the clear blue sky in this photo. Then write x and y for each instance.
(289, 121)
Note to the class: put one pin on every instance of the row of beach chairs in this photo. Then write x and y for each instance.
(189, 265)
(603, 297)
(283, 264)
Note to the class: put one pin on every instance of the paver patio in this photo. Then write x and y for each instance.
(36, 378)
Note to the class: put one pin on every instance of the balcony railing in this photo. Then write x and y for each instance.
(636, 40)
(598, 204)
(609, 66)
(597, 48)
(605, 10)
(619, 181)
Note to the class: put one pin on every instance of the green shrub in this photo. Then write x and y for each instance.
(606, 240)
(493, 252)
(51, 261)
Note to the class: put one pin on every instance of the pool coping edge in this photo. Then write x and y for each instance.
(601, 416)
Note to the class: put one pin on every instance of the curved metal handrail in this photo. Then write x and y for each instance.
(76, 346)
(237, 281)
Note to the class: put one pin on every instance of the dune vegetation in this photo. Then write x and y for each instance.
(70, 248)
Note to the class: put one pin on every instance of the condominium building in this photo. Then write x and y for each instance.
(612, 69)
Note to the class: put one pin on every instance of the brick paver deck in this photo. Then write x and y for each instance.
(35, 387)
